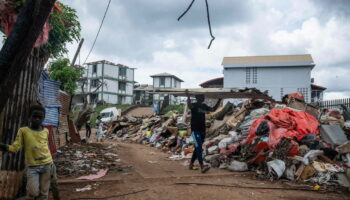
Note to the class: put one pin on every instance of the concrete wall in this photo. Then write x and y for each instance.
(111, 71)
(110, 98)
(111, 79)
(130, 74)
(111, 86)
(277, 80)
(129, 88)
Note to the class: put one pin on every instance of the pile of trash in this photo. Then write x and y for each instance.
(291, 140)
(85, 159)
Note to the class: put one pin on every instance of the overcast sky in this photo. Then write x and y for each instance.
(145, 34)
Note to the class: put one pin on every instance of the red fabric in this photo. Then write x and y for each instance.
(8, 16)
(57, 7)
(285, 123)
(297, 95)
(294, 150)
(51, 138)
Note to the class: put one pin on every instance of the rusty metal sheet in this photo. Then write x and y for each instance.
(64, 100)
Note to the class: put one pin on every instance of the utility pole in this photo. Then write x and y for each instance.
(77, 52)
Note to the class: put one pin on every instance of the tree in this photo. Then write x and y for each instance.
(60, 70)
(22, 59)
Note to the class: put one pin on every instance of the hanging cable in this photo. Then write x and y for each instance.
(208, 17)
(184, 13)
(98, 32)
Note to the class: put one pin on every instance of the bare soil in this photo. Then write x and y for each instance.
(149, 172)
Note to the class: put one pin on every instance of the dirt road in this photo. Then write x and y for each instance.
(141, 112)
(148, 174)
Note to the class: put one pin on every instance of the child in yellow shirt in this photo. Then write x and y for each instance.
(34, 140)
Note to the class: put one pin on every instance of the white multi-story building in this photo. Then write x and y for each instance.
(279, 75)
(117, 83)
(166, 81)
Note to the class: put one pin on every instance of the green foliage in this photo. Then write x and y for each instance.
(179, 108)
(68, 76)
(65, 28)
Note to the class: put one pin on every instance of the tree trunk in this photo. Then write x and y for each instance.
(18, 46)
(20, 67)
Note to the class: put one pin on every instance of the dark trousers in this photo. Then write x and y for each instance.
(198, 138)
(88, 130)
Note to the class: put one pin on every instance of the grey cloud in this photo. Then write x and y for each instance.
(137, 28)
(330, 8)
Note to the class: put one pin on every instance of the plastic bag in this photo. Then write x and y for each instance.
(225, 142)
(276, 168)
(311, 155)
(237, 166)
(259, 112)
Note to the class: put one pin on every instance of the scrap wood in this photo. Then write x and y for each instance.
(112, 128)
(113, 196)
(247, 187)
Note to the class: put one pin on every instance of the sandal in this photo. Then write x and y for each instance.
(205, 169)
(192, 167)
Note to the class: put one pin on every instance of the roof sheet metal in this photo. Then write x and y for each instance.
(64, 100)
(63, 124)
(223, 93)
(271, 61)
(49, 91)
(51, 116)
(48, 95)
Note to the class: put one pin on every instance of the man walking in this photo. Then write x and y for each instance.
(198, 111)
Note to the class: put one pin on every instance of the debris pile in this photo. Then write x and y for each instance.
(77, 160)
(292, 140)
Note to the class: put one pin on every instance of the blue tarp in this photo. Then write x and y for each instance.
(48, 94)
(52, 116)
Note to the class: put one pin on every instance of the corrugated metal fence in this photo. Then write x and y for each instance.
(14, 116)
(334, 104)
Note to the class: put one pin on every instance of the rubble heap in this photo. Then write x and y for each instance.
(292, 140)
(76, 159)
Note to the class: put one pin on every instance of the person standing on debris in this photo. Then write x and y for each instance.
(34, 140)
(156, 108)
(99, 129)
(88, 127)
(198, 111)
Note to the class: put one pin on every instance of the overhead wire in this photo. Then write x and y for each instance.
(208, 18)
(98, 32)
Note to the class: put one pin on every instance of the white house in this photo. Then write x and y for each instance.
(118, 82)
(280, 75)
(166, 81)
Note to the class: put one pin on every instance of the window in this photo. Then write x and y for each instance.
(247, 75)
(93, 98)
(94, 82)
(120, 99)
(94, 68)
(305, 92)
(122, 86)
(122, 71)
(162, 81)
(282, 93)
(255, 75)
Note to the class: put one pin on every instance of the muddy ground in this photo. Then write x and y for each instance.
(147, 173)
